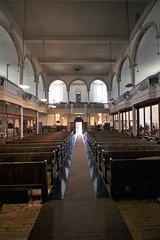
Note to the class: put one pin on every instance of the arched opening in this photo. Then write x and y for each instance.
(78, 92)
(78, 125)
(114, 88)
(147, 57)
(9, 60)
(125, 76)
(98, 92)
(41, 91)
(28, 77)
(57, 92)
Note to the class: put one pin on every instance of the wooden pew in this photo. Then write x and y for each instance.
(128, 154)
(30, 175)
(134, 178)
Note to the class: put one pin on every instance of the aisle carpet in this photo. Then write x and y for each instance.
(80, 216)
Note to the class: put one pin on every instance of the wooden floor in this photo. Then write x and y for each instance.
(141, 216)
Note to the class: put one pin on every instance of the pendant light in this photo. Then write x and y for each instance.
(22, 85)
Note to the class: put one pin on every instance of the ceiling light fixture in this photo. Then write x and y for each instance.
(128, 85)
(43, 99)
(23, 85)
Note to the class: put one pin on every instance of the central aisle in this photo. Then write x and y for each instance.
(79, 184)
(80, 216)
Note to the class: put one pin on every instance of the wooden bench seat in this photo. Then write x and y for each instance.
(26, 149)
(135, 178)
(30, 175)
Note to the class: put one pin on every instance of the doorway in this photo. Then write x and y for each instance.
(78, 125)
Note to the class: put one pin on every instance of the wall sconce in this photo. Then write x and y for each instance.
(126, 95)
(1, 81)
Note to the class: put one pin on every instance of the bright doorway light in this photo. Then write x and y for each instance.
(78, 127)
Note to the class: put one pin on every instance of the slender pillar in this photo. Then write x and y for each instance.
(68, 95)
(37, 122)
(21, 74)
(89, 122)
(108, 95)
(14, 129)
(119, 119)
(88, 97)
(68, 122)
(7, 71)
(21, 123)
(47, 95)
(134, 121)
(37, 82)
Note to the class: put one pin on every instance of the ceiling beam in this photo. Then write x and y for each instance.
(77, 40)
(79, 61)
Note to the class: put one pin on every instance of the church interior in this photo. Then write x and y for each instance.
(79, 119)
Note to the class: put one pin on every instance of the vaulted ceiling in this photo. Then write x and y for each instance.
(77, 38)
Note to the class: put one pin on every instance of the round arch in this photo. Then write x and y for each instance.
(57, 93)
(123, 59)
(145, 59)
(80, 86)
(112, 78)
(78, 79)
(41, 75)
(13, 37)
(29, 57)
(98, 91)
(139, 38)
(99, 80)
(41, 87)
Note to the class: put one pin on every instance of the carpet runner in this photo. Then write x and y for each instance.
(80, 215)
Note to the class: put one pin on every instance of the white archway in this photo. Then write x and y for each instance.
(57, 92)
(98, 91)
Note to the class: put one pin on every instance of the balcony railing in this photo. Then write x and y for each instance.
(17, 91)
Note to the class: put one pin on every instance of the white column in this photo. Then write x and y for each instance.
(88, 97)
(134, 121)
(37, 119)
(68, 95)
(21, 74)
(119, 119)
(89, 122)
(37, 82)
(21, 125)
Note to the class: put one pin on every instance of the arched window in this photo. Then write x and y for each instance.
(98, 92)
(41, 92)
(125, 76)
(28, 77)
(9, 58)
(57, 92)
(114, 88)
(148, 62)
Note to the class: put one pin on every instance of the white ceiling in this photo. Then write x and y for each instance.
(76, 32)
